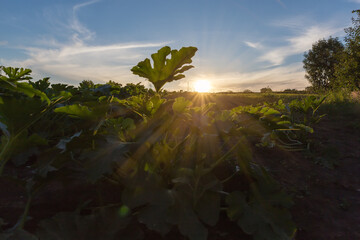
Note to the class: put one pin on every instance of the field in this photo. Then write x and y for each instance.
(113, 162)
(324, 183)
(226, 101)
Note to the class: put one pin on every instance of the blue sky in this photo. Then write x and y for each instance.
(243, 44)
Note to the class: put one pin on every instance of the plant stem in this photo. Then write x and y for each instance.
(220, 160)
(21, 224)
(3, 158)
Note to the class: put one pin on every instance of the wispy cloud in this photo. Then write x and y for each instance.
(79, 61)
(81, 32)
(255, 45)
(76, 59)
(3, 43)
(299, 43)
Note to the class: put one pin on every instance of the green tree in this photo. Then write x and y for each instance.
(348, 69)
(320, 61)
(266, 90)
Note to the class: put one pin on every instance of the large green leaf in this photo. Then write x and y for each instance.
(180, 105)
(262, 212)
(98, 156)
(102, 224)
(153, 200)
(155, 213)
(12, 83)
(165, 69)
(16, 113)
(143, 105)
(183, 215)
(76, 111)
(30, 91)
(16, 74)
(17, 234)
(26, 146)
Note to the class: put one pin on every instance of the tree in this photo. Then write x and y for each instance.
(289, 90)
(320, 61)
(348, 69)
(266, 90)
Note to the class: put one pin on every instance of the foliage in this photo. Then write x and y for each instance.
(320, 61)
(348, 69)
(42, 84)
(285, 125)
(309, 89)
(247, 91)
(105, 223)
(86, 85)
(166, 158)
(164, 69)
(255, 213)
(266, 90)
(288, 90)
(12, 81)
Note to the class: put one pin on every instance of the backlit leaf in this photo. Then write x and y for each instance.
(165, 69)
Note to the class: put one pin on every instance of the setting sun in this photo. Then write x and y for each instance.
(202, 86)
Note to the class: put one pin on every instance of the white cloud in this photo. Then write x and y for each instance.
(77, 60)
(299, 43)
(355, 1)
(81, 32)
(3, 43)
(255, 45)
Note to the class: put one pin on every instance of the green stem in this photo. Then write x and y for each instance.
(230, 177)
(220, 160)
(3, 158)
(196, 185)
(23, 218)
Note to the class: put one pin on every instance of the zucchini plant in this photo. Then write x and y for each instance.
(15, 124)
(176, 167)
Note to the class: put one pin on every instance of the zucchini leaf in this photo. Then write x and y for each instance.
(165, 69)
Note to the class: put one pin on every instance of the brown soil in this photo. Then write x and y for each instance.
(327, 201)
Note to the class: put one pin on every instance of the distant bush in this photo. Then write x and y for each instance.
(266, 90)
(309, 89)
(247, 91)
(288, 90)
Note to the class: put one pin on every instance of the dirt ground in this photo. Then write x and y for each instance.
(327, 201)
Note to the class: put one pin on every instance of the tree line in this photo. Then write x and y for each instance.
(333, 64)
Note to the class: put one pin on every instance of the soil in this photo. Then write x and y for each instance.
(326, 191)
(326, 200)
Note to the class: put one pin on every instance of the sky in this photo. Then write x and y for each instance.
(242, 44)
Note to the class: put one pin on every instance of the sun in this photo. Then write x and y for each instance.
(202, 86)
